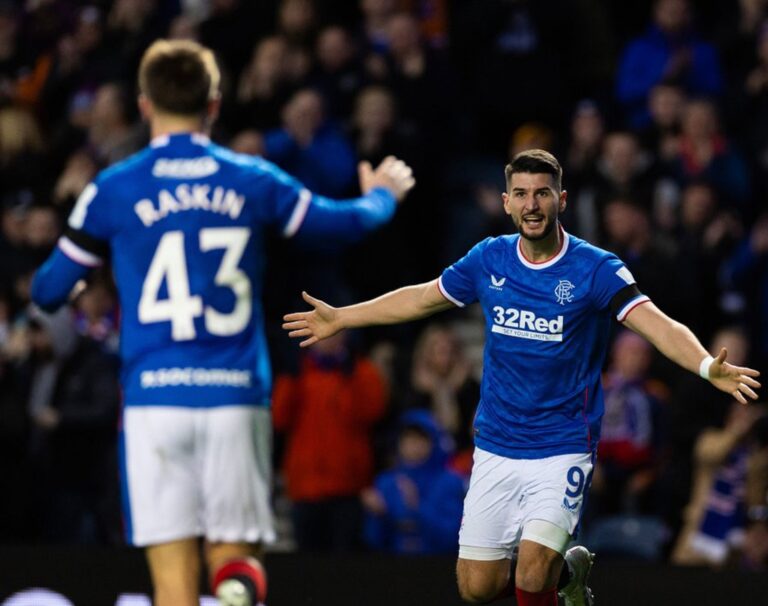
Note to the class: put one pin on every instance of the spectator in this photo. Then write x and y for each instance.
(73, 403)
(338, 73)
(22, 147)
(41, 230)
(96, 313)
(753, 118)
(15, 476)
(669, 52)
(631, 444)
(326, 415)
(297, 22)
(433, 20)
(262, 88)
(415, 507)
(623, 170)
(311, 148)
(665, 108)
(421, 81)
(747, 271)
(377, 131)
(442, 382)
(376, 14)
(113, 133)
(13, 259)
(717, 512)
(648, 255)
(706, 153)
(132, 25)
(705, 236)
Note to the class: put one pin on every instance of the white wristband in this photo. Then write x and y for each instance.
(704, 367)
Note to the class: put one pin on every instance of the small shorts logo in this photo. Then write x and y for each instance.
(496, 283)
(563, 292)
(568, 506)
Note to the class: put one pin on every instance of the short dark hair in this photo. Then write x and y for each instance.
(179, 76)
(535, 161)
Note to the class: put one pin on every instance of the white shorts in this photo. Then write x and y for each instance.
(191, 472)
(513, 499)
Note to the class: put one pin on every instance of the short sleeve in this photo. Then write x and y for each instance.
(86, 237)
(458, 282)
(614, 286)
(282, 200)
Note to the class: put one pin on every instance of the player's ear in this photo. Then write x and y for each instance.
(212, 111)
(505, 200)
(145, 107)
(563, 200)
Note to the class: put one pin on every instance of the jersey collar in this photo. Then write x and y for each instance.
(548, 262)
(195, 138)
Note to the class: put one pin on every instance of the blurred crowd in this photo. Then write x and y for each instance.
(658, 111)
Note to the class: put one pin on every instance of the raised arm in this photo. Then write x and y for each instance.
(316, 218)
(401, 305)
(679, 344)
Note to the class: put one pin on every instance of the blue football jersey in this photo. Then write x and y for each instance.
(547, 327)
(183, 224)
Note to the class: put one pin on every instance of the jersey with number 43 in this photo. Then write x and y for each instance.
(183, 222)
(547, 327)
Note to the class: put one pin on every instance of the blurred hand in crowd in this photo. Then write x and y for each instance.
(78, 172)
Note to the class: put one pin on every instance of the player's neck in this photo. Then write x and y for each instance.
(173, 125)
(537, 251)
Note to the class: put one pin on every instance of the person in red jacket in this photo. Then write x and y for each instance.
(326, 414)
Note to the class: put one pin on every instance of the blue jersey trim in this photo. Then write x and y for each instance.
(125, 496)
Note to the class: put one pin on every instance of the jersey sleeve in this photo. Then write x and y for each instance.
(85, 240)
(614, 287)
(299, 212)
(83, 245)
(458, 282)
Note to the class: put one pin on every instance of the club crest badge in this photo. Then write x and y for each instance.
(563, 292)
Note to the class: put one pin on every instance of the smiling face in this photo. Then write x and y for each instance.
(534, 202)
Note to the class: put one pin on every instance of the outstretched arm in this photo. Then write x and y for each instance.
(401, 305)
(679, 344)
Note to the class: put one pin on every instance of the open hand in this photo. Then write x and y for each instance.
(392, 174)
(320, 323)
(735, 380)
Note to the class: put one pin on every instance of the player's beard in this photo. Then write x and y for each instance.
(549, 225)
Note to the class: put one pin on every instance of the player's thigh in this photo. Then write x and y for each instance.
(175, 571)
(161, 495)
(554, 497)
(236, 475)
(491, 518)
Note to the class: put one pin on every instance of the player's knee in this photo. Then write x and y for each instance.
(533, 577)
(476, 594)
(476, 589)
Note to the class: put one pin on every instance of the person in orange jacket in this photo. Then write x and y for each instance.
(326, 414)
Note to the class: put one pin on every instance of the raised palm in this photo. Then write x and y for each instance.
(735, 380)
(316, 325)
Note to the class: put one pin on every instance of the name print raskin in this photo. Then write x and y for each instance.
(190, 197)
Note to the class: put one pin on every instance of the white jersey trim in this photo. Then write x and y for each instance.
(548, 262)
(298, 214)
(446, 294)
(77, 254)
(624, 311)
(196, 138)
